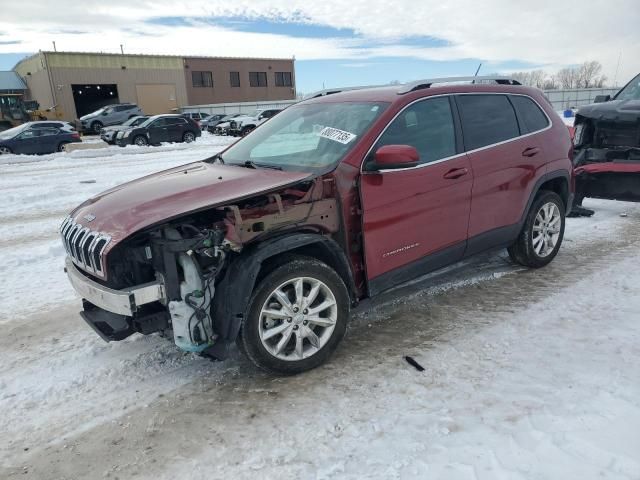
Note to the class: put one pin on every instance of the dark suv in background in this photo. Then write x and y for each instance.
(337, 198)
(158, 129)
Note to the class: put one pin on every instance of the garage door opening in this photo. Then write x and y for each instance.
(89, 98)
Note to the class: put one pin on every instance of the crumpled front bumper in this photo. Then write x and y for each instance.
(122, 302)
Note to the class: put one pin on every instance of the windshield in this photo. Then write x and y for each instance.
(631, 91)
(307, 138)
(12, 132)
(133, 121)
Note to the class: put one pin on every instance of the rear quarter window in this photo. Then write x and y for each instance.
(531, 117)
(486, 120)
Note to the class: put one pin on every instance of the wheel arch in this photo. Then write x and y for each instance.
(233, 292)
(557, 181)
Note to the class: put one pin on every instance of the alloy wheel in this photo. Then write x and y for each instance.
(4, 151)
(298, 318)
(189, 137)
(546, 229)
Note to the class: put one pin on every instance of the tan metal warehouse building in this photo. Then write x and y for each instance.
(79, 83)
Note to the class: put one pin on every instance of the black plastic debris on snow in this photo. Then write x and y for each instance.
(411, 361)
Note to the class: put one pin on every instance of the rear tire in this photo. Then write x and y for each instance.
(188, 137)
(289, 339)
(246, 131)
(542, 233)
(62, 145)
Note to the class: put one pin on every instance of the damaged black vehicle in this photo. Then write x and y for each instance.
(607, 148)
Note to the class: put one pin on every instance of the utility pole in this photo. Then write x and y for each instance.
(54, 46)
(121, 49)
(615, 78)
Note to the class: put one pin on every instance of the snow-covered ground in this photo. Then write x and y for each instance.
(529, 374)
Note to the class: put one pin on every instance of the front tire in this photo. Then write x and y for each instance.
(542, 233)
(141, 141)
(297, 317)
(5, 151)
(246, 131)
(96, 127)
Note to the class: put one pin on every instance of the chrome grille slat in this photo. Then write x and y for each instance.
(84, 246)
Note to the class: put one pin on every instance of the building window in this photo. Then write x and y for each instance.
(283, 79)
(258, 79)
(202, 79)
(234, 78)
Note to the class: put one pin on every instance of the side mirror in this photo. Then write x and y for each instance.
(104, 114)
(601, 98)
(396, 156)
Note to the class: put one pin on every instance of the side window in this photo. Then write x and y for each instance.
(48, 131)
(530, 116)
(428, 126)
(486, 119)
(161, 122)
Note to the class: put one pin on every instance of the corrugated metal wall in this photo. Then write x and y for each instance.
(127, 79)
(564, 99)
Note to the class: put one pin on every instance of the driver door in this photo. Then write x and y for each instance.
(28, 142)
(158, 131)
(416, 219)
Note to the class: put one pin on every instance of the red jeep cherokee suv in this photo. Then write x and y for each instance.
(339, 197)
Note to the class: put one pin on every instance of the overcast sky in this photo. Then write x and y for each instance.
(339, 43)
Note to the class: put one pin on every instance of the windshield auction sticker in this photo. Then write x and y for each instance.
(336, 135)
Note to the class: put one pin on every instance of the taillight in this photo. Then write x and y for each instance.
(75, 135)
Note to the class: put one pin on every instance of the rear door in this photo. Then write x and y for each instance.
(416, 219)
(176, 128)
(506, 160)
(48, 140)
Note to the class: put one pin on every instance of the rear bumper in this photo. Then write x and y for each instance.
(122, 302)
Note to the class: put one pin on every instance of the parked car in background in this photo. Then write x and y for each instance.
(338, 198)
(197, 116)
(108, 134)
(205, 123)
(158, 129)
(222, 128)
(243, 124)
(67, 126)
(109, 115)
(29, 139)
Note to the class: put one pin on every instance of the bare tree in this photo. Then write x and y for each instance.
(567, 77)
(533, 78)
(589, 75)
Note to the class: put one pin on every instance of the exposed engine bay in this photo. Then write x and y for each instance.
(189, 256)
(607, 149)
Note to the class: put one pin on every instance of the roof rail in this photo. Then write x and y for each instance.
(421, 84)
(331, 91)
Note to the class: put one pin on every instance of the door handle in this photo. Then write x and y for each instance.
(530, 152)
(455, 173)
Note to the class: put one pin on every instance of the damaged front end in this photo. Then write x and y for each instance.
(607, 153)
(165, 277)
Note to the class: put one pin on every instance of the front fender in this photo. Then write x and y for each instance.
(233, 292)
